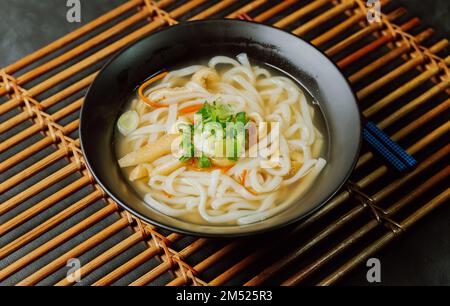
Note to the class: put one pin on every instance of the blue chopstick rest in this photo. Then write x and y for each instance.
(389, 149)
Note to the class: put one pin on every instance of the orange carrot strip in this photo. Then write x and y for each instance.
(243, 176)
(168, 194)
(145, 85)
(225, 169)
(192, 166)
(251, 191)
(190, 109)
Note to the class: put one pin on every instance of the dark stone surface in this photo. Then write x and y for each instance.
(420, 257)
(434, 13)
(29, 25)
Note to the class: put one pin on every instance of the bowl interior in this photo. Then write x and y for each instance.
(195, 40)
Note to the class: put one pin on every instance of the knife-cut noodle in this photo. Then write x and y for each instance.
(189, 179)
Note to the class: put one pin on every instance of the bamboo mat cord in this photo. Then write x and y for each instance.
(188, 272)
(349, 46)
(5, 80)
(140, 227)
(9, 82)
(424, 52)
(50, 101)
(245, 16)
(165, 266)
(361, 33)
(289, 258)
(410, 41)
(383, 241)
(161, 14)
(173, 258)
(401, 49)
(380, 215)
(339, 273)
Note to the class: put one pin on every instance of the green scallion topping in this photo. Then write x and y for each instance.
(221, 113)
(204, 162)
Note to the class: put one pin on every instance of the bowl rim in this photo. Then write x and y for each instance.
(169, 227)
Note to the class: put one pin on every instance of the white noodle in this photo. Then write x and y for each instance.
(214, 181)
(165, 209)
(172, 118)
(288, 152)
(182, 72)
(222, 60)
(149, 129)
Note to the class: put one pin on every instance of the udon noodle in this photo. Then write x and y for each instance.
(208, 188)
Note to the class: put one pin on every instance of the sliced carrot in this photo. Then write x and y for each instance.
(194, 167)
(225, 169)
(243, 176)
(190, 109)
(146, 84)
(251, 191)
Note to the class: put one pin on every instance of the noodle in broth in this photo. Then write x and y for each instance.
(210, 189)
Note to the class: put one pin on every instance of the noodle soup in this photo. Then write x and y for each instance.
(272, 135)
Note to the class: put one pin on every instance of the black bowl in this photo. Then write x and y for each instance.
(187, 42)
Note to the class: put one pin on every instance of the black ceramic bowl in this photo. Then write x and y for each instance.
(202, 39)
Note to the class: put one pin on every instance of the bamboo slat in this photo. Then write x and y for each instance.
(44, 184)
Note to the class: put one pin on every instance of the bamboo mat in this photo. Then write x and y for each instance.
(51, 210)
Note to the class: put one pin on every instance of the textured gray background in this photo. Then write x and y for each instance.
(420, 257)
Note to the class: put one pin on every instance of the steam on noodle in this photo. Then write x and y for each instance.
(232, 189)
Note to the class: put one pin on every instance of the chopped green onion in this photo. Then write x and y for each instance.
(234, 157)
(223, 112)
(187, 155)
(205, 111)
(241, 117)
(204, 162)
(184, 158)
(216, 112)
(187, 145)
(128, 122)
